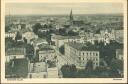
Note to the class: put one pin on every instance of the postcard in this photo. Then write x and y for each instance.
(64, 41)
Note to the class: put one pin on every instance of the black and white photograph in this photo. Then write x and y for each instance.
(64, 40)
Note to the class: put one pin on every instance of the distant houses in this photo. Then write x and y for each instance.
(36, 52)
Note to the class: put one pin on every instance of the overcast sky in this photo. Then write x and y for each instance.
(62, 8)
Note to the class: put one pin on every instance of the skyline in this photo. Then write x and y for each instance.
(62, 8)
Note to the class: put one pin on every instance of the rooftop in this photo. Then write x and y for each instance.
(15, 51)
(44, 47)
(83, 47)
(66, 37)
(38, 40)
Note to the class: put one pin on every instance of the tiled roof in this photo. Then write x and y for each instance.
(82, 47)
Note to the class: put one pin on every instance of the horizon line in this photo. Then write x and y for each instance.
(64, 14)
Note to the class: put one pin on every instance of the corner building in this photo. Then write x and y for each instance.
(79, 54)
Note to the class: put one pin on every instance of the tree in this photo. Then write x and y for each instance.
(89, 66)
(7, 28)
(18, 36)
(29, 51)
(36, 28)
(116, 66)
(61, 49)
(71, 33)
(25, 40)
(69, 71)
(62, 32)
(101, 71)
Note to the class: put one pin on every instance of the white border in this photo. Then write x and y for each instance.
(62, 80)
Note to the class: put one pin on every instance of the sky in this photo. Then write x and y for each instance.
(62, 8)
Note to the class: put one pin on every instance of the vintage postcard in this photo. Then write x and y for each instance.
(64, 41)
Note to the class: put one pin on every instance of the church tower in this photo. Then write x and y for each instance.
(71, 17)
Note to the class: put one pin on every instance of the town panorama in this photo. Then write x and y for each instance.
(64, 46)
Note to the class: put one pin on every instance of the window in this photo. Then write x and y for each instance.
(96, 59)
(87, 54)
(96, 54)
(83, 53)
(90, 53)
(83, 58)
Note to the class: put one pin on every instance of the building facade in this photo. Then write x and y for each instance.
(80, 56)
(15, 53)
(46, 54)
(37, 70)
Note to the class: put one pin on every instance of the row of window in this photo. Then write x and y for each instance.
(87, 53)
(94, 59)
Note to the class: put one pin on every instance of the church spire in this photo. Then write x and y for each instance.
(71, 16)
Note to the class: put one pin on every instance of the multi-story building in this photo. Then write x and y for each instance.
(10, 35)
(60, 40)
(80, 54)
(15, 53)
(37, 70)
(46, 52)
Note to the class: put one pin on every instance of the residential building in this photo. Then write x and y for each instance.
(15, 53)
(10, 35)
(80, 54)
(60, 40)
(38, 41)
(37, 70)
(46, 52)
(53, 72)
